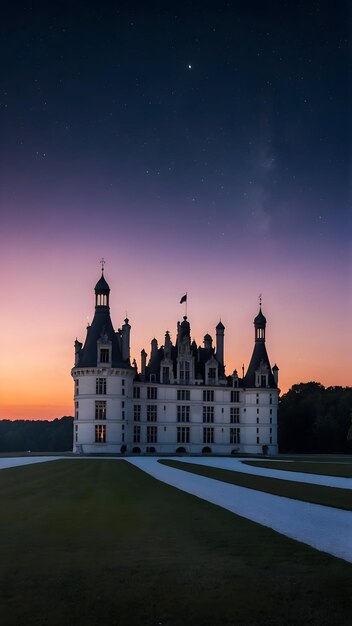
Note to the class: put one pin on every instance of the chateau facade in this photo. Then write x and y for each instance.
(181, 400)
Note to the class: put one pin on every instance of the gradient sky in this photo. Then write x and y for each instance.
(196, 146)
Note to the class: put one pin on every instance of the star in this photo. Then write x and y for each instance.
(190, 67)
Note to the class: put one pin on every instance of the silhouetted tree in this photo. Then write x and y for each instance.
(313, 418)
(36, 435)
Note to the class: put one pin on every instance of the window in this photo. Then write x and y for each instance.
(76, 410)
(235, 396)
(123, 404)
(152, 434)
(257, 439)
(151, 412)
(212, 373)
(257, 420)
(185, 368)
(257, 411)
(122, 391)
(137, 412)
(208, 415)
(271, 398)
(257, 398)
(183, 413)
(257, 431)
(208, 435)
(136, 434)
(271, 411)
(100, 386)
(77, 386)
(183, 434)
(271, 430)
(235, 436)
(166, 375)
(263, 381)
(271, 420)
(183, 394)
(100, 410)
(235, 382)
(123, 415)
(123, 382)
(100, 433)
(208, 396)
(76, 433)
(152, 393)
(104, 355)
(136, 392)
(234, 415)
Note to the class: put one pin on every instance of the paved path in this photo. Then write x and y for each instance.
(17, 461)
(321, 527)
(236, 465)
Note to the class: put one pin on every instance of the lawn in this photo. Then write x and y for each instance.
(101, 542)
(343, 469)
(317, 494)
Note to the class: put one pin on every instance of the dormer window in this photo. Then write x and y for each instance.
(212, 373)
(104, 356)
(263, 380)
(185, 371)
(166, 375)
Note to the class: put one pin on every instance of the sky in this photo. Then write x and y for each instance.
(199, 147)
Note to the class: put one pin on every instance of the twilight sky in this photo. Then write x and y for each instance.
(196, 146)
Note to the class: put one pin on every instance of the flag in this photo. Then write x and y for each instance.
(183, 299)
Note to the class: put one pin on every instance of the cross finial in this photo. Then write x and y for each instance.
(102, 261)
(260, 299)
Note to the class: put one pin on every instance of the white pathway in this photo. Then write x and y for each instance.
(236, 465)
(321, 527)
(8, 462)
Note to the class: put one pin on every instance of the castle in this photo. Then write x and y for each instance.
(181, 399)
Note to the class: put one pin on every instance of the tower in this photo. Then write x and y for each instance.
(103, 378)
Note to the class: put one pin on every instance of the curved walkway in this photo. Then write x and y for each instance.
(321, 527)
(236, 465)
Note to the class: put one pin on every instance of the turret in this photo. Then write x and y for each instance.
(78, 348)
(167, 346)
(275, 371)
(125, 334)
(208, 342)
(220, 330)
(143, 363)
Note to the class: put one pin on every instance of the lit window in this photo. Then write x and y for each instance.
(100, 410)
(100, 433)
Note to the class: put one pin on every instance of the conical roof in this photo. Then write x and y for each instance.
(260, 319)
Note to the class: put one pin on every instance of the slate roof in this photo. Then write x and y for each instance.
(100, 326)
(259, 355)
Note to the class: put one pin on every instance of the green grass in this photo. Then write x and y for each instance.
(310, 467)
(317, 494)
(100, 542)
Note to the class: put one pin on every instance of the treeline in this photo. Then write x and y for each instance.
(315, 419)
(36, 435)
